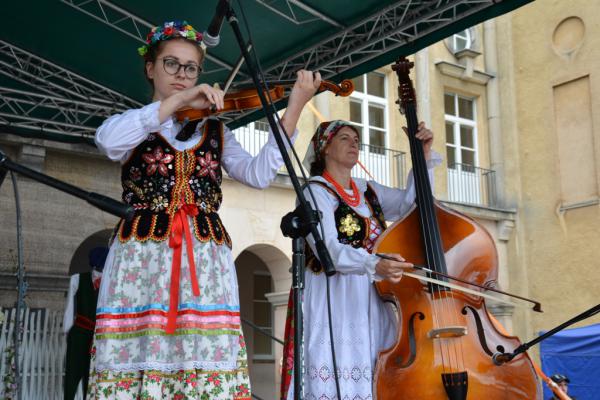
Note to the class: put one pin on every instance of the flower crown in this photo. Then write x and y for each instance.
(170, 30)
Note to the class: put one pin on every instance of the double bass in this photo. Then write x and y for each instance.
(446, 338)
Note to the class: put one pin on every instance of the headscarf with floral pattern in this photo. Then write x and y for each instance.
(322, 137)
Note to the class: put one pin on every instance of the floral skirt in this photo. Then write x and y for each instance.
(135, 357)
(177, 385)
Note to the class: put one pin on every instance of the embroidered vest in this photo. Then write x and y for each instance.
(158, 179)
(353, 229)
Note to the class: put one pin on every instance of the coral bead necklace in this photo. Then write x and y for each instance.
(351, 199)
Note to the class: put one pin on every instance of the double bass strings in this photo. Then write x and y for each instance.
(433, 247)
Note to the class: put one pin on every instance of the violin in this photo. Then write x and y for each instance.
(248, 99)
(446, 338)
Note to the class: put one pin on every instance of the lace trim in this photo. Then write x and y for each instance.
(169, 367)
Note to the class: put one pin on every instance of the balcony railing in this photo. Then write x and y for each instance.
(253, 136)
(471, 185)
(385, 166)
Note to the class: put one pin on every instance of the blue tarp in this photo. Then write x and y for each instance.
(576, 354)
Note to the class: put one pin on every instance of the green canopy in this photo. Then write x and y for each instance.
(65, 65)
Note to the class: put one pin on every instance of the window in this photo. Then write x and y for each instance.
(368, 110)
(464, 182)
(262, 125)
(461, 138)
(461, 41)
(263, 317)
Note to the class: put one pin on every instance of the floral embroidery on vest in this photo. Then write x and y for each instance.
(158, 179)
(353, 229)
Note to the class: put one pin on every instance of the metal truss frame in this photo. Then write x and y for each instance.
(70, 99)
(317, 15)
(129, 24)
(18, 108)
(397, 25)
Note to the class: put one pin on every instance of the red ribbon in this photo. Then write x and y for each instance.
(84, 323)
(179, 228)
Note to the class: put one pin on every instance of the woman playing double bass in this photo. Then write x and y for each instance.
(354, 212)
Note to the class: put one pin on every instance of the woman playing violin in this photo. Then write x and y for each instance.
(168, 308)
(354, 212)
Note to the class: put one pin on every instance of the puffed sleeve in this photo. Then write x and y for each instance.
(121, 133)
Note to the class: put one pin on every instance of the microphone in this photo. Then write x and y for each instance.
(210, 37)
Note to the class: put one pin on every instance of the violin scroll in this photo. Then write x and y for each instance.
(344, 89)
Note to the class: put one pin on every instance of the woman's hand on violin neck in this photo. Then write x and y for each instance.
(425, 135)
(307, 84)
(391, 270)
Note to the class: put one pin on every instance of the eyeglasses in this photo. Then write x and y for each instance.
(172, 67)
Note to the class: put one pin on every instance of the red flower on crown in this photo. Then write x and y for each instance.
(157, 160)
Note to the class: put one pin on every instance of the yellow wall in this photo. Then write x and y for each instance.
(555, 72)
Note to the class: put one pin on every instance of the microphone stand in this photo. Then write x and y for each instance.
(502, 358)
(311, 220)
(294, 226)
(102, 202)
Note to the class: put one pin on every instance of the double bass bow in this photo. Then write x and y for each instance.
(446, 338)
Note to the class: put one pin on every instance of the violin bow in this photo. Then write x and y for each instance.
(235, 70)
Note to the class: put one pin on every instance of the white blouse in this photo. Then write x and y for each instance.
(394, 203)
(121, 133)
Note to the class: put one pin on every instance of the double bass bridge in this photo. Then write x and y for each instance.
(447, 332)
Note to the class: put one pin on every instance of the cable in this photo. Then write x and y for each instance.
(21, 287)
(335, 369)
(268, 94)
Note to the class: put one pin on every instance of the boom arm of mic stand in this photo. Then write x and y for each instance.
(501, 358)
(322, 252)
(102, 202)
